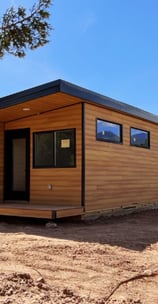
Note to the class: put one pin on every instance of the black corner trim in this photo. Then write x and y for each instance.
(83, 156)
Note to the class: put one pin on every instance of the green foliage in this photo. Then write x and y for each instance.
(21, 30)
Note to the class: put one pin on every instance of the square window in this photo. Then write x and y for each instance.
(140, 138)
(109, 131)
(54, 149)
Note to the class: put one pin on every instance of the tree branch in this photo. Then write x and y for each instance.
(12, 25)
(138, 276)
(20, 31)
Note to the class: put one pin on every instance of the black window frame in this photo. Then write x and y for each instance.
(74, 137)
(108, 140)
(36, 166)
(137, 145)
(53, 132)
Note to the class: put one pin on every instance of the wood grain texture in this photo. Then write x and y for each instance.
(69, 212)
(39, 211)
(66, 182)
(119, 174)
(37, 106)
(21, 212)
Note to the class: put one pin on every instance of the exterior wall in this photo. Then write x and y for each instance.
(66, 182)
(1, 159)
(119, 175)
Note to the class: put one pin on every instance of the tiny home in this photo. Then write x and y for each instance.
(67, 151)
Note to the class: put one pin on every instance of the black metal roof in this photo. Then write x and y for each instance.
(77, 91)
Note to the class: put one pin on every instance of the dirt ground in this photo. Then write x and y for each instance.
(112, 260)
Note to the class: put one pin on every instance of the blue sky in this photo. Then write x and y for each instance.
(108, 46)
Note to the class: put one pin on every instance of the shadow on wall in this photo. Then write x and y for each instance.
(134, 231)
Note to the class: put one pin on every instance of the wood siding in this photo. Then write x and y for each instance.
(119, 175)
(66, 182)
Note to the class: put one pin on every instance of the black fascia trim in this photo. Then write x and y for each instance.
(29, 94)
(76, 91)
(105, 101)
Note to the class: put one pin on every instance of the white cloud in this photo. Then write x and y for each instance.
(88, 21)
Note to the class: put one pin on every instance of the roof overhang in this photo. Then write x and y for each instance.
(58, 94)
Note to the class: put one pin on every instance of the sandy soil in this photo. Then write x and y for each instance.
(80, 262)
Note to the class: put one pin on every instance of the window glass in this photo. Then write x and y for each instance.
(43, 149)
(109, 131)
(140, 138)
(54, 149)
(65, 148)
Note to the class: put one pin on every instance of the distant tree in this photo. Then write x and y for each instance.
(21, 29)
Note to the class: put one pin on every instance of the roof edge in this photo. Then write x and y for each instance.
(32, 93)
(77, 91)
(105, 101)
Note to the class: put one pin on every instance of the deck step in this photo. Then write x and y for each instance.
(39, 211)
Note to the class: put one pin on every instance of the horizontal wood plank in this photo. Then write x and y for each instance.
(39, 211)
(66, 182)
(69, 212)
(119, 175)
(21, 212)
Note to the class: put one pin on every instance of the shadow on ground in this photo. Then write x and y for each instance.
(134, 231)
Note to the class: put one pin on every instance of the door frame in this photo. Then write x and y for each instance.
(9, 194)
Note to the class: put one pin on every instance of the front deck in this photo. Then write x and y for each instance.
(39, 211)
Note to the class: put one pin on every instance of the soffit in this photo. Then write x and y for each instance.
(37, 106)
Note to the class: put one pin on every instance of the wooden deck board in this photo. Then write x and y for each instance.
(39, 211)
